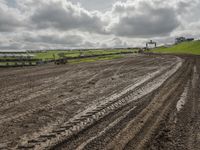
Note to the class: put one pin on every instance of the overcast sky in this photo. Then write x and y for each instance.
(44, 24)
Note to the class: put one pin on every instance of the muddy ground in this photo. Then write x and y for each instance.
(136, 102)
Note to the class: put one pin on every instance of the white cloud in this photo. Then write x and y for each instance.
(63, 15)
(10, 18)
(81, 23)
(143, 19)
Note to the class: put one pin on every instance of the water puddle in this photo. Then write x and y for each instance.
(195, 77)
(183, 98)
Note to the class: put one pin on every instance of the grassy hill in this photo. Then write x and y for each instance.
(183, 48)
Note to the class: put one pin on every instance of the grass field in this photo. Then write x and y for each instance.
(183, 48)
(55, 54)
(93, 59)
(49, 55)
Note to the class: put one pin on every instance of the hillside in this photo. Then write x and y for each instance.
(183, 48)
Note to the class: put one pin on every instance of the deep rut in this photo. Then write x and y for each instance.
(156, 117)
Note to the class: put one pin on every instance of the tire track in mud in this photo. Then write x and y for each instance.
(49, 115)
(44, 84)
(185, 131)
(110, 125)
(15, 88)
(192, 140)
(19, 88)
(157, 112)
(46, 107)
(76, 125)
(20, 117)
(178, 127)
(94, 144)
(46, 89)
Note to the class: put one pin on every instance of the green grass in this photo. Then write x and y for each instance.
(5, 63)
(93, 59)
(182, 48)
(49, 55)
(76, 61)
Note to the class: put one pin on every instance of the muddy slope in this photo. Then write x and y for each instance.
(138, 102)
(166, 118)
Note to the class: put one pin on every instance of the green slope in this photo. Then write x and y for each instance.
(183, 48)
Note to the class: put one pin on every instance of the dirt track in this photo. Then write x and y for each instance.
(138, 102)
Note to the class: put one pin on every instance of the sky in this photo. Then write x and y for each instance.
(66, 24)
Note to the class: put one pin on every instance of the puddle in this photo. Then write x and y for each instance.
(194, 77)
(183, 98)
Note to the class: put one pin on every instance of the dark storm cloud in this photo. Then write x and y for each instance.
(55, 39)
(81, 23)
(66, 17)
(10, 46)
(8, 21)
(145, 21)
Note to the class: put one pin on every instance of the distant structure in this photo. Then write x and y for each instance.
(62, 59)
(182, 39)
(190, 39)
(151, 43)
